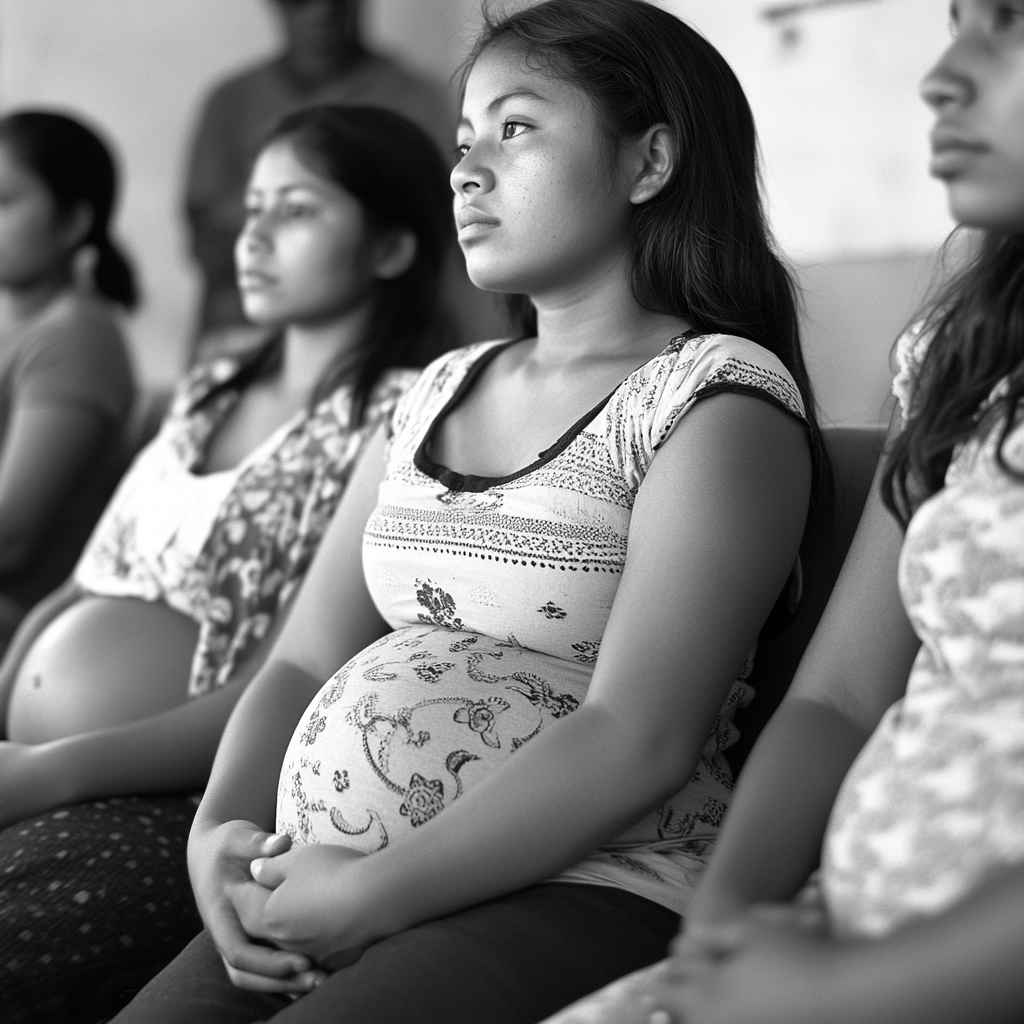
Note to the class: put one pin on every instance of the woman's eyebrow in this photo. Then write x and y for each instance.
(497, 102)
(505, 97)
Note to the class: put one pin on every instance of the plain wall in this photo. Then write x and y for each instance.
(834, 92)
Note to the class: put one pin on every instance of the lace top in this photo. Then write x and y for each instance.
(934, 804)
(227, 549)
(498, 591)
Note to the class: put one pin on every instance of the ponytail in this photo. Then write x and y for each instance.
(112, 275)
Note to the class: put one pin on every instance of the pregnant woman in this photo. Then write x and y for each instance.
(509, 782)
(895, 761)
(122, 681)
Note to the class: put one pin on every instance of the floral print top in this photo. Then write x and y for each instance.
(229, 548)
(934, 804)
(498, 591)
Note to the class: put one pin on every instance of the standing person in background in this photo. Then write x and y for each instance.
(323, 61)
(65, 379)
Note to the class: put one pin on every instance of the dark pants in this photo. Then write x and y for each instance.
(514, 960)
(94, 900)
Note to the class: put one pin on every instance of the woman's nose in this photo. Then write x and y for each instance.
(952, 80)
(255, 235)
(471, 174)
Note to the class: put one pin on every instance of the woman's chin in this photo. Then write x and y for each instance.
(261, 315)
(490, 279)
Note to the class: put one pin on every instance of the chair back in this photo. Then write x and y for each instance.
(854, 452)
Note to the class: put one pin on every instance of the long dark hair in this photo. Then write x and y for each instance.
(701, 248)
(975, 332)
(400, 179)
(77, 169)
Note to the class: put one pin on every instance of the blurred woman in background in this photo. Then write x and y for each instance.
(121, 682)
(65, 378)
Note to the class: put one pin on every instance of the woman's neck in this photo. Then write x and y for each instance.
(310, 348)
(20, 305)
(602, 321)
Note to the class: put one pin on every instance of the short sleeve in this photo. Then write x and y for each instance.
(76, 357)
(911, 349)
(650, 403)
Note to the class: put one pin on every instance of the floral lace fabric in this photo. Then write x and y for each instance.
(934, 804)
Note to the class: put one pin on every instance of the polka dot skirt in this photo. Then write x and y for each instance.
(89, 890)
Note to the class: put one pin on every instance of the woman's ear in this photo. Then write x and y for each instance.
(77, 223)
(393, 254)
(654, 161)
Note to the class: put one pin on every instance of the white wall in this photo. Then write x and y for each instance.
(841, 128)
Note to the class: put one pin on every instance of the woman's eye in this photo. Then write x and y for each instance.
(1008, 15)
(510, 129)
(460, 150)
(298, 210)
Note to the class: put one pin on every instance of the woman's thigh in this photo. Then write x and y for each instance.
(89, 894)
(514, 960)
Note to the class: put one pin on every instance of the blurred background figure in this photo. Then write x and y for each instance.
(323, 61)
(65, 379)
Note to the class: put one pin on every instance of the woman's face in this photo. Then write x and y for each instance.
(977, 93)
(305, 254)
(33, 237)
(539, 206)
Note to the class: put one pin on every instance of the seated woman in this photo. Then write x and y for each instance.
(65, 378)
(570, 540)
(896, 759)
(122, 681)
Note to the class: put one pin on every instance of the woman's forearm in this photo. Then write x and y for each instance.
(243, 783)
(771, 838)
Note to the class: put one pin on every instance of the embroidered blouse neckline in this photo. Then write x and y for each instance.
(455, 481)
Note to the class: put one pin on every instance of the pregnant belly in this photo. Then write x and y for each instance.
(104, 661)
(408, 725)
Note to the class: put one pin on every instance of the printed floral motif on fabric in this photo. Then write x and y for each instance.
(244, 561)
(498, 599)
(934, 805)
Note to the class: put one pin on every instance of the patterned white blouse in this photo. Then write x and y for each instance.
(934, 805)
(498, 591)
(227, 549)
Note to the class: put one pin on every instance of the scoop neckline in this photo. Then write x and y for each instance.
(475, 483)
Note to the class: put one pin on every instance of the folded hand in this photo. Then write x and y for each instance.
(304, 905)
(219, 859)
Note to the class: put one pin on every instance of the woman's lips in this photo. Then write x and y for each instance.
(472, 223)
(254, 280)
(952, 152)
